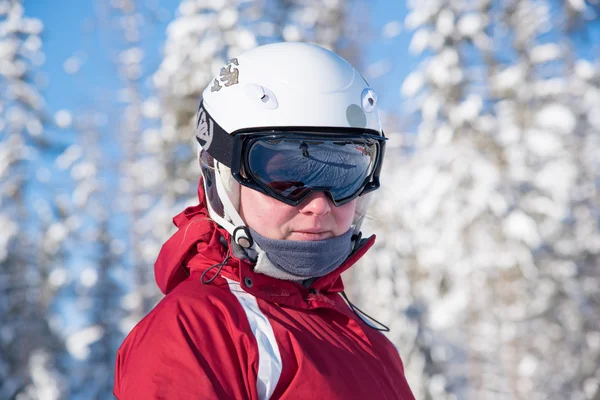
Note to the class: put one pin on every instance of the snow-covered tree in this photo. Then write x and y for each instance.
(130, 23)
(99, 292)
(97, 278)
(29, 246)
(495, 239)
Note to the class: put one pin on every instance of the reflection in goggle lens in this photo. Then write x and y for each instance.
(294, 167)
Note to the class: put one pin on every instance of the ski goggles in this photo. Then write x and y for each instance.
(289, 164)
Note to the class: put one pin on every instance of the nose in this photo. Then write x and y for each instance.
(317, 203)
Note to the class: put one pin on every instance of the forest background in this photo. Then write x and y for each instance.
(486, 266)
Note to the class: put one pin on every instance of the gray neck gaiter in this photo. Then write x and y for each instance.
(308, 259)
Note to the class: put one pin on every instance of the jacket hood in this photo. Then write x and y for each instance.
(198, 238)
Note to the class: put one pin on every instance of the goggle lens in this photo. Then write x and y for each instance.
(294, 167)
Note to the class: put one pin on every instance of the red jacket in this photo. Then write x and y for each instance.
(250, 336)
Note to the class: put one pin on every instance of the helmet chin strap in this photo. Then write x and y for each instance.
(362, 205)
(237, 227)
(215, 216)
(229, 209)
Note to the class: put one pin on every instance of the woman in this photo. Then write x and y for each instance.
(254, 307)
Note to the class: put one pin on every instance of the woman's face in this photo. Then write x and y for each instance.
(316, 218)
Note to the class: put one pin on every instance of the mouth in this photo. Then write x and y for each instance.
(310, 234)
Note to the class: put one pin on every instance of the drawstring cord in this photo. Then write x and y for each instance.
(360, 312)
(220, 265)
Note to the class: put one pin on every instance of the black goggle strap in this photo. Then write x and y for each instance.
(214, 139)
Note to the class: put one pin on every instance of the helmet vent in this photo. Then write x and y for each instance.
(266, 97)
(369, 100)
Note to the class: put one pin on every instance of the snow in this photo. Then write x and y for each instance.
(585, 69)
(72, 65)
(418, 16)
(83, 170)
(528, 365)
(82, 193)
(227, 18)
(446, 312)
(57, 232)
(9, 230)
(468, 110)
(69, 156)
(594, 120)
(378, 69)
(212, 4)
(12, 70)
(145, 179)
(445, 22)
(520, 226)
(557, 177)
(556, 117)
(184, 27)
(509, 78)
(292, 33)
(8, 48)
(132, 55)
(391, 29)
(448, 57)
(245, 40)
(470, 24)
(88, 277)
(151, 108)
(34, 127)
(412, 84)
(63, 118)
(578, 5)
(545, 53)
(543, 143)
(419, 41)
(4, 7)
(131, 301)
(32, 44)
(591, 386)
(58, 277)
(78, 343)
(431, 106)
(44, 380)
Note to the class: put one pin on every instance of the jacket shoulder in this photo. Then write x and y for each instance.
(182, 342)
(191, 307)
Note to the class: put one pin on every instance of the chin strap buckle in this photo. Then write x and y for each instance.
(241, 236)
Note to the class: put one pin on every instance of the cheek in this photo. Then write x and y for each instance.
(344, 215)
(264, 214)
(252, 207)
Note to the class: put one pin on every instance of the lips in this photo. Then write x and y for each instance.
(314, 230)
(310, 234)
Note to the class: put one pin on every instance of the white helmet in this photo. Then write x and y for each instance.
(279, 85)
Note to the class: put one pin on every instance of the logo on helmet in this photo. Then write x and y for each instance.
(204, 129)
(227, 76)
